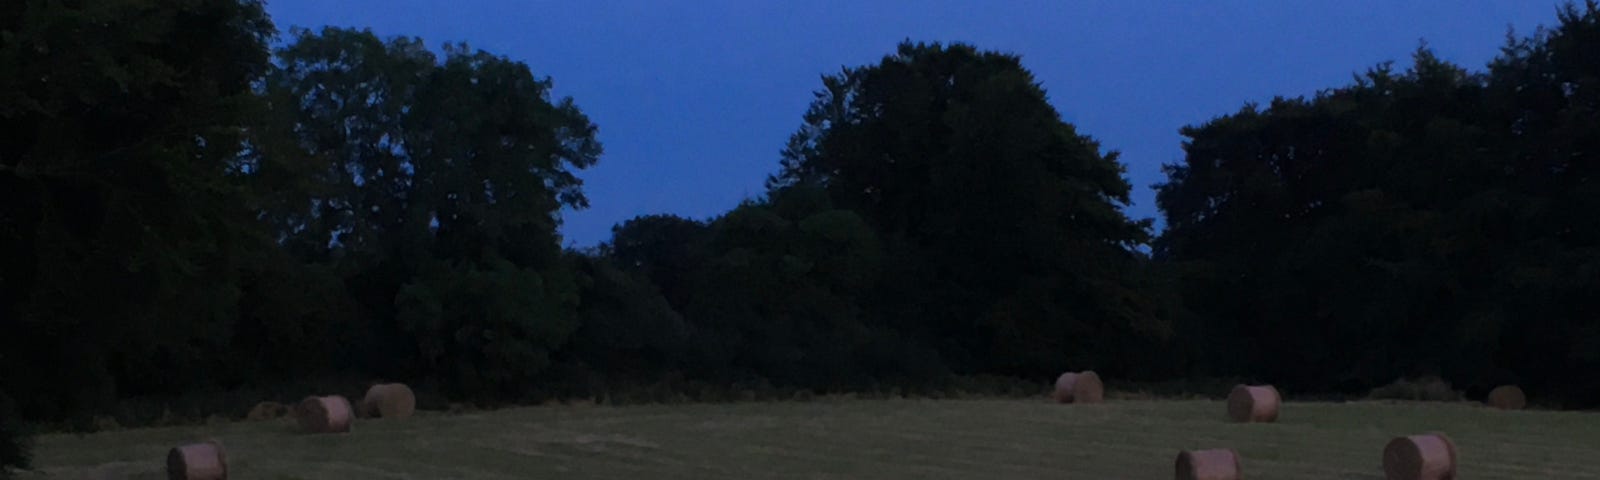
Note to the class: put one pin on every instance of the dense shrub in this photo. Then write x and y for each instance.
(1426, 389)
(486, 331)
(626, 328)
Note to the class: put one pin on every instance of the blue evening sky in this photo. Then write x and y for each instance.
(694, 99)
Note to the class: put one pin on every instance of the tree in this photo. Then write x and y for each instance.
(450, 154)
(120, 233)
(432, 183)
(1306, 227)
(1002, 224)
(487, 328)
(1544, 91)
(297, 320)
(665, 248)
(1383, 228)
(627, 328)
(781, 296)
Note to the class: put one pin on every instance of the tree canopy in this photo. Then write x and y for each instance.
(1431, 221)
(1002, 224)
(189, 218)
(122, 234)
(436, 181)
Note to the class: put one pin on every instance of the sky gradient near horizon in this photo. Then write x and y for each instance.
(695, 99)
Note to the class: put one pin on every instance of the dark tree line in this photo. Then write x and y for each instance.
(1433, 221)
(183, 210)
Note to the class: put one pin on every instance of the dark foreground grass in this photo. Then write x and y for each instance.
(835, 438)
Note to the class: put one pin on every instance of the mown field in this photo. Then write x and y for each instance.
(838, 438)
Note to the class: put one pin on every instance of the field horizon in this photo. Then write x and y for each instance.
(854, 438)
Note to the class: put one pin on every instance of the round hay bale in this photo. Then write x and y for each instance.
(1063, 391)
(389, 400)
(1216, 464)
(1508, 397)
(1254, 403)
(1076, 387)
(330, 414)
(1420, 457)
(267, 411)
(197, 461)
(1088, 388)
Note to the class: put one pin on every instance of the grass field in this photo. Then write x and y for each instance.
(876, 439)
